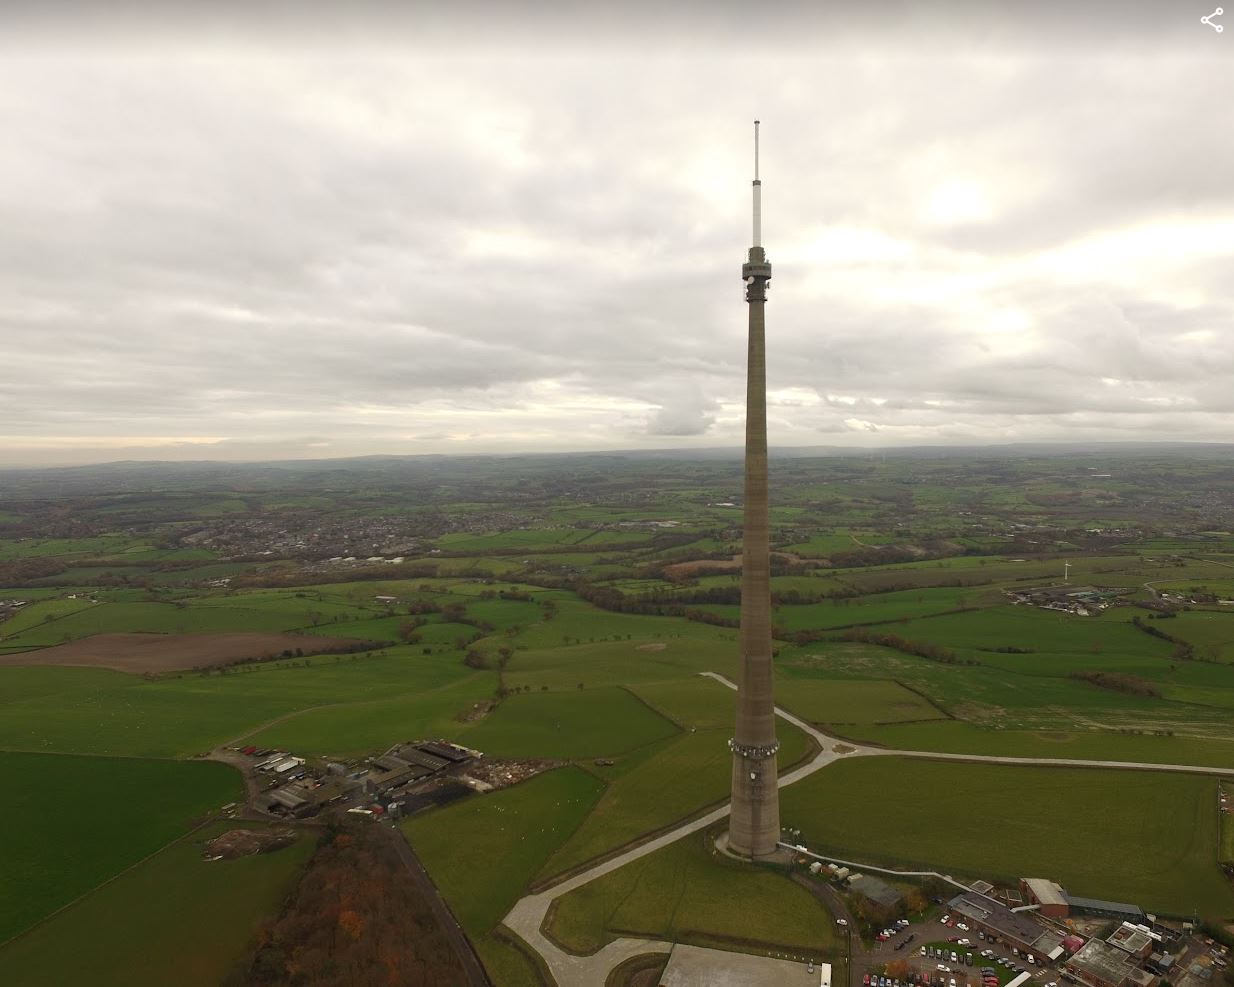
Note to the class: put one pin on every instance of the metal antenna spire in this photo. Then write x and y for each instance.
(756, 150)
(758, 197)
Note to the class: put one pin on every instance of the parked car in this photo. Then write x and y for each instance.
(945, 919)
(842, 921)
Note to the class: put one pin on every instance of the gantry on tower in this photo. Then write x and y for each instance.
(754, 825)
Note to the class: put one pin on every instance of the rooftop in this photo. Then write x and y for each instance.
(694, 966)
(1097, 905)
(1130, 938)
(876, 890)
(1046, 892)
(998, 916)
(1102, 960)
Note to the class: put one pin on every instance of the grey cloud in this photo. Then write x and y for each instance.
(254, 245)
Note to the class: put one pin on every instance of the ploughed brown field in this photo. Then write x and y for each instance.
(174, 652)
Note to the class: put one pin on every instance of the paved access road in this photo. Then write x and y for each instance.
(527, 917)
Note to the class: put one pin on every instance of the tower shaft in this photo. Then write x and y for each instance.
(754, 823)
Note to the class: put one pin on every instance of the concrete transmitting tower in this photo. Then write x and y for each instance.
(754, 825)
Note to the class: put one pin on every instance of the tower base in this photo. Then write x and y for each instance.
(754, 819)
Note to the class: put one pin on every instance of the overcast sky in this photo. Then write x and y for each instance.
(408, 231)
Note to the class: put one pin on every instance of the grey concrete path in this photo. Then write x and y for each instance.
(527, 917)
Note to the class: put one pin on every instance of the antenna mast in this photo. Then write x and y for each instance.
(758, 195)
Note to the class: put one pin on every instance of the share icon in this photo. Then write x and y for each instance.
(1208, 19)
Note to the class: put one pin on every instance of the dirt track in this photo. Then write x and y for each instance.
(139, 653)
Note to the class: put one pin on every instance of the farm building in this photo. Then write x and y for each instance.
(1050, 898)
(406, 763)
(1099, 964)
(302, 798)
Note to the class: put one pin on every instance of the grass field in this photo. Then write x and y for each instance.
(174, 919)
(1211, 632)
(664, 785)
(267, 612)
(573, 723)
(482, 852)
(676, 654)
(72, 822)
(98, 711)
(1080, 826)
(953, 737)
(1034, 691)
(688, 893)
(843, 701)
(365, 725)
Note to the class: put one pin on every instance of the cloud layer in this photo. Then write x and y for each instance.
(230, 250)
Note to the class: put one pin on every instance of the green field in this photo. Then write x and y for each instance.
(101, 711)
(72, 822)
(688, 893)
(482, 852)
(1035, 691)
(613, 692)
(952, 737)
(573, 723)
(174, 919)
(1211, 632)
(668, 784)
(1080, 826)
(843, 701)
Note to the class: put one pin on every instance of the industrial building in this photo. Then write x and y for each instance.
(1054, 902)
(1106, 909)
(1050, 898)
(304, 798)
(1135, 940)
(407, 763)
(1016, 928)
(1099, 964)
(876, 891)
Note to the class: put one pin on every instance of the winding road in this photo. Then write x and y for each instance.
(526, 918)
